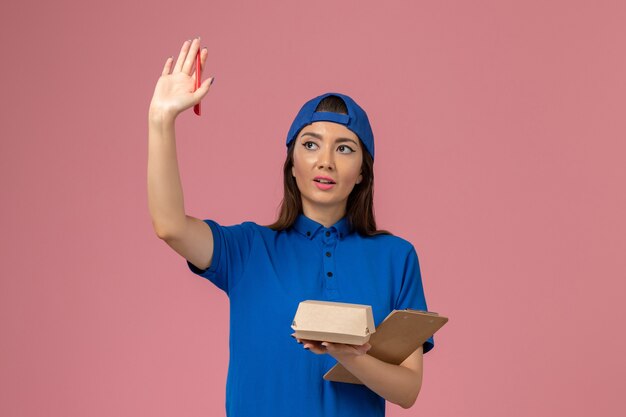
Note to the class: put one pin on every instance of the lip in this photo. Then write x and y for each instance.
(323, 186)
(320, 177)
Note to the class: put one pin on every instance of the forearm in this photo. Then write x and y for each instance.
(395, 383)
(165, 194)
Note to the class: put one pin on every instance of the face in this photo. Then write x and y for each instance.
(327, 161)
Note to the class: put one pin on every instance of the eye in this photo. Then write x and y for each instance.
(345, 149)
(309, 145)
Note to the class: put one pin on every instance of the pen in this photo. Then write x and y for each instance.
(196, 108)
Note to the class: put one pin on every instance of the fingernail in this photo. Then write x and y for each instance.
(212, 79)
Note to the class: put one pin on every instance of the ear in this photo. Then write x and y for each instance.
(293, 171)
(358, 181)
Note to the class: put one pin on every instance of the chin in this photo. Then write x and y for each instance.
(327, 203)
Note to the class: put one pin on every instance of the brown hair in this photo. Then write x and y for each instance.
(360, 205)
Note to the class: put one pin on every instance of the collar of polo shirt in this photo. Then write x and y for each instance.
(309, 228)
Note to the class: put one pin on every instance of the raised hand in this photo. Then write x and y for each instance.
(174, 91)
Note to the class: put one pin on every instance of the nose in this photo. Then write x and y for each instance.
(327, 159)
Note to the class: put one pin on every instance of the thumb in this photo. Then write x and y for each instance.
(203, 89)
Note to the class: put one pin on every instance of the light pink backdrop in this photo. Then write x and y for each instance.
(500, 135)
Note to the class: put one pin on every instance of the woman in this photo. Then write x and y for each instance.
(323, 246)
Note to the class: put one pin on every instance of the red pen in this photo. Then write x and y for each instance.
(196, 108)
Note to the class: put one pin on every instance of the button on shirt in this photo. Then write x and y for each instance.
(266, 274)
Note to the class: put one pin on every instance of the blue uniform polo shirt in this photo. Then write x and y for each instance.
(266, 274)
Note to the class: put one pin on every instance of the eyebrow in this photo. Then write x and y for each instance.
(339, 140)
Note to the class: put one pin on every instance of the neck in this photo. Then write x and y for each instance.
(325, 216)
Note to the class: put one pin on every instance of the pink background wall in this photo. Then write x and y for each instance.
(500, 154)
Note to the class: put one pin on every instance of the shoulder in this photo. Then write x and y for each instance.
(253, 228)
(246, 230)
(391, 244)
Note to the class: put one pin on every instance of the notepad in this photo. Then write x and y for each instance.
(396, 338)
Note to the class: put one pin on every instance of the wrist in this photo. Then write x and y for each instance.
(160, 115)
(347, 358)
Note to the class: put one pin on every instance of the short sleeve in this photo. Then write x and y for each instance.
(231, 250)
(412, 290)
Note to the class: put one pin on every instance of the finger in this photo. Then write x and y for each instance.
(310, 343)
(334, 347)
(204, 89)
(363, 348)
(294, 336)
(168, 66)
(190, 60)
(203, 56)
(204, 53)
(315, 348)
(181, 56)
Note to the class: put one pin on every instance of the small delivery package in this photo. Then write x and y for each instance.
(328, 321)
